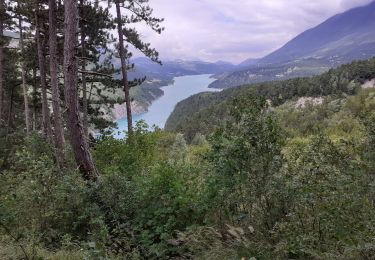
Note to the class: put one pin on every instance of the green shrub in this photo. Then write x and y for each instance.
(330, 209)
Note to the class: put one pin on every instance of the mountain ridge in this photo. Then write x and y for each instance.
(175, 68)
(340, 39)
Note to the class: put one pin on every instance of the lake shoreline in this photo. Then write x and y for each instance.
(161, 108)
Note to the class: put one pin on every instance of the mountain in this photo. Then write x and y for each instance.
(248, 63)
(340, 39)
(204, 112)
(171, 69)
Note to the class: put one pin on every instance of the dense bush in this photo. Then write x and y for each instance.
(331, 210)
(283, 183)
(246, 158)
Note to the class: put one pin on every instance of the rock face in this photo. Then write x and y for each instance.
(369, 84)
(119, 110)
(304, 101)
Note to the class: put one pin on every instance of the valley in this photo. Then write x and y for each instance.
(158, 76)
(159, 111)
(124, 134)
(203, 113)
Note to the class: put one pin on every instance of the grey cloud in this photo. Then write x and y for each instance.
(346, 4)
(235, 30)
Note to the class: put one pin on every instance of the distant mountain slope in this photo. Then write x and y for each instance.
(248, 63)
(341, 35)
(202, 113)
(171, 69)
(340, 39)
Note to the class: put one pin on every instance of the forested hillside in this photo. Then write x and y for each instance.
(247, 173)
(204, 112)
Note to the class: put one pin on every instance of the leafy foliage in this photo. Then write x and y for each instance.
(283, 182)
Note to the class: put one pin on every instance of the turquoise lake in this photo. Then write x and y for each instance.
(161, 108)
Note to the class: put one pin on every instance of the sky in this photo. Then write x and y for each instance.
(235, 30)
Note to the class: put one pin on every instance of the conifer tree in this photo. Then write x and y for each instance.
(23, 72)
(9, 73)
(77, 138)
(53, 61)
(26, 9)
(5, 24)
(95, 39)
(123, 58)
(139, 11)
(41, 43)
(30, 60)
(83, 79)
(2, 43)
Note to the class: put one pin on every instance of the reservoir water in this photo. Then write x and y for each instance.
(161, 108)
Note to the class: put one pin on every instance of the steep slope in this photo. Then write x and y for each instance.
(247, 63)
(345, 34)
(342, 38)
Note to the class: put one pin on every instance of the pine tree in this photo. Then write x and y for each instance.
(77, 137)
(58, 124)
(83, 61)
(30, 61)
(2, 43)
(9, 73)
(12, 82)
(23, 73)
(41, 43)
(123, 58)
(95, 38)
(141, 12)
(26, 9)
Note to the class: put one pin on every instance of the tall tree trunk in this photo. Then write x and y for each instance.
(59, 131)
(34, 99)
(124, 67)
(10, 111)
(84, 99)
(23, 75)
(84, 83)
(80, 147)
(2, 12)
(43, 82)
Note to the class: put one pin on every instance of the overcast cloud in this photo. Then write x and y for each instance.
(234, 30)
